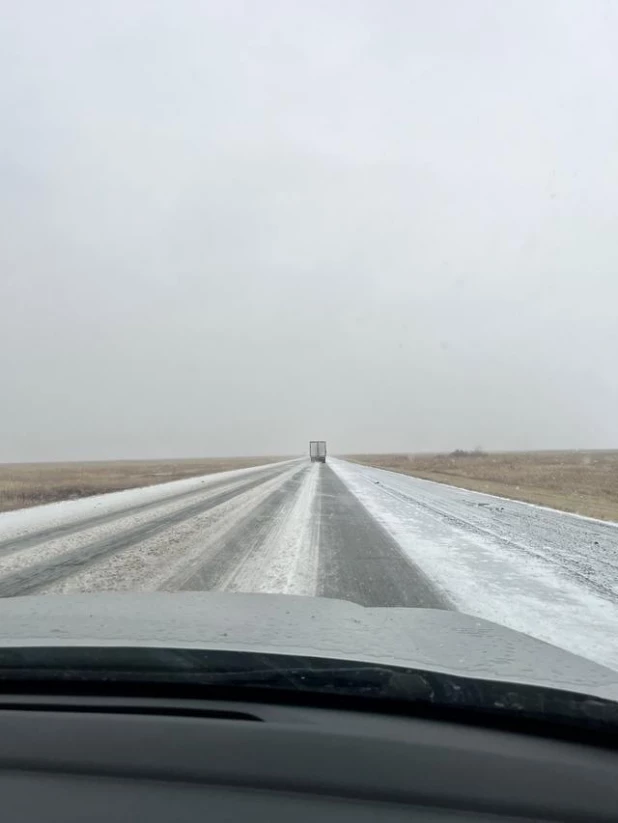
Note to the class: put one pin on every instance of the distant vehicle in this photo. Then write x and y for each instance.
(317, 451)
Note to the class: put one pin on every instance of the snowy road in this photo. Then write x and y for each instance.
(291, 528)
(338, 530)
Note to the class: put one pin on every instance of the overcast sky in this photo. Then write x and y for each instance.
(227, 227)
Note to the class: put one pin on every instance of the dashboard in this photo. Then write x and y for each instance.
(96, 758)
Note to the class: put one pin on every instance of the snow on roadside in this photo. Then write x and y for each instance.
(287, 560)
(534, 577)
(64, 512)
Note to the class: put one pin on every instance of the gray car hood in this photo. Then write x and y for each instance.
(437, 640)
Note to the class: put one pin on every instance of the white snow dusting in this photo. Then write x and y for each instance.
(64, 512)
(286, 562)
(150, 564)
(536, 570)
(548, 574)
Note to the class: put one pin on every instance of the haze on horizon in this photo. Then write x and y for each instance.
(229, 228)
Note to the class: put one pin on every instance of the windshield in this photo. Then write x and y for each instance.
(313, 299)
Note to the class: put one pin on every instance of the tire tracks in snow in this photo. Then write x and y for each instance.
(33, 539)
(40, 575)
(572, 564)
(170, 556)
(273, 549)
(286, 560)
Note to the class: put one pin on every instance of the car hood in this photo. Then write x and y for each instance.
(428, 639)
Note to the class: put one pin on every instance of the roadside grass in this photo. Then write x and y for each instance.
(581, 482)
(31, 484)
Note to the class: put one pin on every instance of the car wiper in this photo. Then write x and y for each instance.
(194, 667)
(301, 679)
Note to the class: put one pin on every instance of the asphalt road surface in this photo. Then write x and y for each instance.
(292, 528)
(338, 530)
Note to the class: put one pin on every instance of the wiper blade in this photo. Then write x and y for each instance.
(196, 667)
(254, 675)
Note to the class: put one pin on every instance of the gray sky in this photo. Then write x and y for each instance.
(230, 227)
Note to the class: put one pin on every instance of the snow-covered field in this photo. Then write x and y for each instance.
(341, 530)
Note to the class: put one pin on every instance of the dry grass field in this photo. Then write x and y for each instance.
(30, 484)
(584, 482)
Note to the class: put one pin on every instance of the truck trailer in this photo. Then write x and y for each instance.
(317, 451)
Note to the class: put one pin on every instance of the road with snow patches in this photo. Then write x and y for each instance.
(337, 530)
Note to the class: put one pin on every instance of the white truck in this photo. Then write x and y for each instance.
(317, 451)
